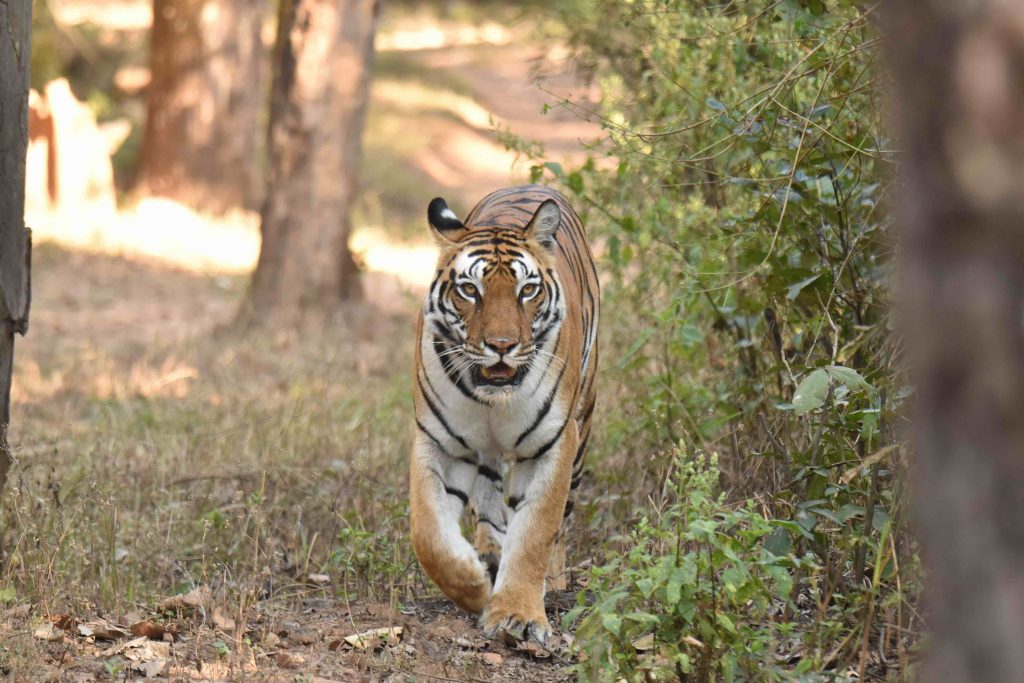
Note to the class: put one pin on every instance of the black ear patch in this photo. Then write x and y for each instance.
(442, 218)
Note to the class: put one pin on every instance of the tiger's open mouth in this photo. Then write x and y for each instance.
(497, 375)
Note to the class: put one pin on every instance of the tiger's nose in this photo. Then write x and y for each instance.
(502, 345)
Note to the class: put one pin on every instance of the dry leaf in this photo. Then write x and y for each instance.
(289, 660)
(852, 473)
(118, 649)
(153, 630)
(491, 658)
(535, 650)
(222, 620)
(66, 622)
(374, 638)
(47, 632)
(690, 640)
(130, 618)
(142, 650)
(101, 629)
(319, 579)
(198, 597)
(151, 669)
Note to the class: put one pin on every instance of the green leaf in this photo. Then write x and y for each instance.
(778, 542)
(848, 376)
(612, 622)
(781, 577)
(674, 588)
(555, 168)
(575, 182)
(880, 518)
(794, 289)
(811, 392)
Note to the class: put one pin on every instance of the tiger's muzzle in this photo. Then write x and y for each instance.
(500, 374)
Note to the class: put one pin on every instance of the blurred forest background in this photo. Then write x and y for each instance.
(181, 426)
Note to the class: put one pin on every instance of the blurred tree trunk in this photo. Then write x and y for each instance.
(959, 70)
(205, 102)
(318, 105)
(15, 244)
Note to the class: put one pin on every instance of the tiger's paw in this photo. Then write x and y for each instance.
(468, 585)
(465, 581)
(512, 625)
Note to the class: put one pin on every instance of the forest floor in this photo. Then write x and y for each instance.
(161, 452)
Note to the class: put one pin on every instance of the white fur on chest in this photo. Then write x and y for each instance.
(497, 428)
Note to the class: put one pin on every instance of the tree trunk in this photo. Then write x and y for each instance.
(318, 105)
(205, 101)
(15, 245)
(959, 70)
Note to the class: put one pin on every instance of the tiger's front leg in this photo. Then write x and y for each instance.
(538, 487)
(439, 487)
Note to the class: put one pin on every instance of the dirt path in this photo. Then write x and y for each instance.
(315, 639)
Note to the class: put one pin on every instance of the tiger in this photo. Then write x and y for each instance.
(504, 394)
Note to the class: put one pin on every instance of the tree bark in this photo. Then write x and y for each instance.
(959, 70)
(319, 97)
(205, 102)
(15, 245)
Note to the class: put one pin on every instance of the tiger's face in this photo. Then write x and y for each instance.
(494, 304)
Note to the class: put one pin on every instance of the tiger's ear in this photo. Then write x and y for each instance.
(444, 224)
(545, 222)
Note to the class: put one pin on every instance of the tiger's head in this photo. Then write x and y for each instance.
(495, 304)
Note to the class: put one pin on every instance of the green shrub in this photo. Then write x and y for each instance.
(700, 591)
(739, 199)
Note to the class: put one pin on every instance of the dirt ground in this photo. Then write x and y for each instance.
(122, 317)
(314, 638)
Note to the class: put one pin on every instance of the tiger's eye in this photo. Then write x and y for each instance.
(528, 291)
(468, 290)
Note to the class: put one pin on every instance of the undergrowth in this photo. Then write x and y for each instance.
(739, 198)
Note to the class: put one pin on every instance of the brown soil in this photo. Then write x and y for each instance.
(315, 638)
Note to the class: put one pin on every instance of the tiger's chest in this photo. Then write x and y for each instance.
(513, 426)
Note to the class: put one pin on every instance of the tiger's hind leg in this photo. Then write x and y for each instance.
(439, 487)
(491, 513)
